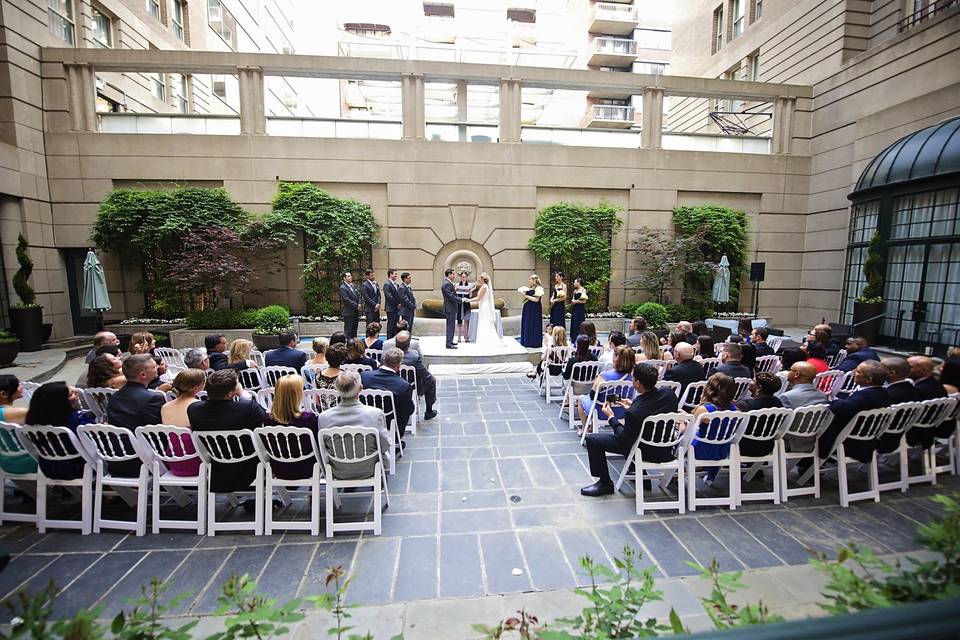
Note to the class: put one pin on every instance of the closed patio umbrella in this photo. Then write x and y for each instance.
(95, 294)
(721, 284)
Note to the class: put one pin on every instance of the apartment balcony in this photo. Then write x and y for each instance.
(614, 19)
(609, 116)
(612, 52)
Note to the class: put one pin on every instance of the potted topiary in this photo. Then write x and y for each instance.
(656, 316)
(868, 307)
(271, 321)
(26, 318)
(9, 348)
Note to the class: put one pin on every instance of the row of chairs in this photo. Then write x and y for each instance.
(156, 446)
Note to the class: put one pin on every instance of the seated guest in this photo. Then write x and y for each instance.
(744, 329)
(758, 338)
(700, 328)
(870, 375)
(899, 386)
(764, 386)
(240, 351)
(287, 354)
(101, 338)
(216, 345)
(104, 371)
(11, 390)
(675, 338)
(142, 342)
(817, 356)
(622, 370)
(221, 413)
(685, 328)
(735, 338)
(357, 353)
(686, 370)
(106, 349)
(614, 340)
(134, 405)
(637, 328)
(789, 356)
(730, 365)
(373, 339)
(286, 412)
(950, 371)
(921, 372)
(649, 347)
(58, 405)
(748, 357)
(581, 354)
(426, 384)
(831, 344)
(387, 377)
(858, 350)
(717, 395)
(188, 384)
(402, 325)
(336, 354)
(704, 348)
(196, 359)
(350, 412)
(320, 346)
(160, 382)
(649, 401)
(558, 338)
(338, 337)
(800, 389)
(588, 329)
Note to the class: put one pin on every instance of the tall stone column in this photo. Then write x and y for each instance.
(510, 110)
(253, 119)
(81, 96)
(462, 114)
(412, 106)
(651, 122)
(783, 109)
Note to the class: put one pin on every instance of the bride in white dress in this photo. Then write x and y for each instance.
(487, 334)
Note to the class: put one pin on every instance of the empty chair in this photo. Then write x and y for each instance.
(358, 368)
(691, 395)
(672, 385)
(169, 445)
(273, 373)
(341, 446)
(265, 398)
(110, 444)
(221, 450)
(409, 373)
(310, 372)
(251, 379)
(803, 430)
(743, 388)
(173, 357)
(383, 400)
(825, 381)
(769, 364)
(319, 400)
(290, 452)
(718, 430)
(22, 470)
(96, 399)
(758, 445)
(663, 431)
(893, 448)
(59, 445)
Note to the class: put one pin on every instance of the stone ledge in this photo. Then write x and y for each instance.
(37, 366)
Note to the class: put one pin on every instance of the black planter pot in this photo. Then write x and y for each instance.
(8, 353)
(863, 311)
(47, 330)
(266, 341)
(28, 325)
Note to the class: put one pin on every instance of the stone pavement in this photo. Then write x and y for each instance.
(488, 487)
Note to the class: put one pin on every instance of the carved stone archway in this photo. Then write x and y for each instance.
(458, 253)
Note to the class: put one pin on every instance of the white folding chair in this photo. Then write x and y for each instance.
(833, 361)
(319, 400)
(12, 449)
(596, 351)
(55, 445)
(845, 385)
(782, 375)
(28, 389)
(109, 444)
(168, 444)
(173, 357)
(935, 413)
(663, 431)
(807, 424)
(905, 416)
(353, 446)
(768, 364)
(827, 380)
(358, 368)
(383, 400)
(716, 428)
(286, 445)
(623, 388)
(96, 399)
(582, 374)
(691, 396)
(273, 373)
(257, 356)
(265, 398)
(763, 425)
(743, 388)
(226, 448)
(672, 385)
(310, 373)
(376, 354)
(409, 373)
(557, 357)
(251, 379)
(775, 342)
(947, 445)
(865, 426)
(709, 364)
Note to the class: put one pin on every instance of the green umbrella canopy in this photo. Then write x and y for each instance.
(95, 295)
(721, 284)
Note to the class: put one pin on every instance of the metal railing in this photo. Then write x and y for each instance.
(613, 11)
(617, 46)
(926, 13)
(612, 112)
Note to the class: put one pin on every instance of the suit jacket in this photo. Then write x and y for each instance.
(402, 391)
(220, 361)
(763, 349)
(929, 389)
(903, 391)
(734, 370)
(285, 357)
(854, 359)
(415, 360)
(802, 395)
(633, 340)
(450, 299)
(353, 413)
(371, 296)
(133, 406)
(408, 301)
(227, 415)
(685, 373)
(392, 343)
(649, 404)
(349, 300)
(391, 296)
(843, 410)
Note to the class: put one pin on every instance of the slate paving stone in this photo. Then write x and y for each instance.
(614, 537)
(68, 542)
(747, 549)
(454, 475)
(501, 555)
(20, 569)
(163, 540)
(701, 544)
(62, 571)
(841, 532)
(887, 534)
(484, 475)
(912, 510)
(514, 473)
(546, 561)
(409, 524)
(891, 519)
(280, 576)
(424, 477)
(454, 501)
(371, 577)
(155, 564)
(474, 521)
(19, 539)
(542, 471)
(243, 560)
(809, 535)
(338, 553)
(497, 426)
(666, 550)
(785, 546)
(577, 543)
(94, 583)
(417, 569)
(460, 566)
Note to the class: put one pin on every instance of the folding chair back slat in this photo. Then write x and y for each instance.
(844, 384)
(935, 412)
(672, 385)
(56, 444)
(10, 445)
(767, 424)
(167, 443)
(709, 364)
(866, 425)
(825, 381)
(596, 351)
(775, 342)
(720, 427)
(173, 357)
(743, 388)
(265, 398)
(226, 447)
(905, 416)
(319, 400)
(692, 394)
(274, 373)
(350, 444)
(810, 421)
(663, 430)
(310, 373)
(28, 389)
(833, 361)
(111, 444)
(257, 356)
(376, 354)
(358, 368)
(96, 399)
(251, 379)
(287, 444)
(383, 400)
(769, 364)
(584, 371)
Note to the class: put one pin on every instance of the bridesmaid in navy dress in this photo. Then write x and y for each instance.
(558, 314)
(531, 320)
(578, 307)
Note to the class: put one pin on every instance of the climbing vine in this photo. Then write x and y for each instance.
(722, 231)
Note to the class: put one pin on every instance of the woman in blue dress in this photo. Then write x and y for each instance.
(558, 301)
(578, 307)
(531, 320)
(717, 396)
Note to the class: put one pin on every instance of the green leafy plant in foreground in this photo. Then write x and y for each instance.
(724, 613)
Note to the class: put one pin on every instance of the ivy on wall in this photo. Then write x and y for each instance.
(722, 231)
(575, 238)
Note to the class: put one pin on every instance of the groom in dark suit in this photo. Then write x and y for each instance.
(391, 302)
(450, 303)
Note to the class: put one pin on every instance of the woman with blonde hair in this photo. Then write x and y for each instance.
(240, 353)
(558, 338)
(286, 411)
(623, 361)
(320, 350)
(187, 385)
(649, 347)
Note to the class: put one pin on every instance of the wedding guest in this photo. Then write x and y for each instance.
(464, 290)
(351, 412)
(758, 338)
(685, 328)
(832, 344)
(700, 328)
(217, 348)
(745, 328)
(426, 384)
(870, 377)
(134, 405)
(921, 372)
(748, 357)
(950, 371)
(588, 329)
(104, 372)
(142, 342)
(371, 297)
(858, 350)
(391, 302)
(817, 356)
(637, 327)
(801, 391)
(349, 306)
(578, 306)
(100, 339)
(11, 390)
(717, 396)
(622, 370)
(320, 346)
(559, 339)
(531, 318)
(187, 385)
(338, 337)
(373, 339)
(286, 411)
(106, 349)
(387, 377)
(764, 386)
(287, 354)
(614, 340)
(336, 355)
(196, 359)
(649, 347)
(408, 301)
(581, 354)
(686, 370)
(730, 364)
(240, 351)
(58, 405)
(357, 353)
(558, 301)
(704, 348)
(673, 339)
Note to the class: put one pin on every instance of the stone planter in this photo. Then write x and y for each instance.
(193, 338)
(266, 341)
(8, 353)
(27, 324)
(862, 313)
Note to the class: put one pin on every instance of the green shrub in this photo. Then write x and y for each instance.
(222, 319)
(272, 319)
(629, 309)
(678, 312)
(20, 279)
(655, 314)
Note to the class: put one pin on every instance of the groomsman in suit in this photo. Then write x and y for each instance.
(391, 301)
(349, 306)
(408, 302)
(371, 297)
(450, 304)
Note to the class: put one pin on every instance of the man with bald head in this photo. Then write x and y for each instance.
(686, 328)
(801, 391)
(870, 377)
(899, 387)
(686, 369)
(921, 372)
(858, 350)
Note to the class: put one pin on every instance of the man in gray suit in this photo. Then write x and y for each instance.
(801, 393)
(392, 342)
(350, 412)
(408, 302)
(450, 304)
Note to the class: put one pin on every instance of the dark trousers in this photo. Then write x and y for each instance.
(372, 316)
(858, 449)
(427, 387)
(350, 325)
(391, 324)
(598, 444)
(409, 320)
(451, 327)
